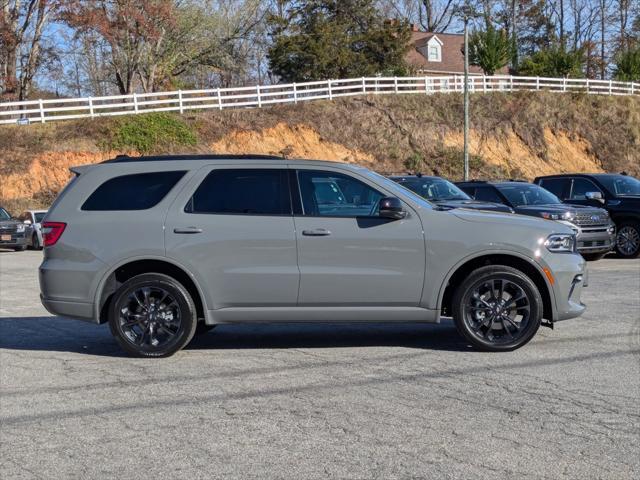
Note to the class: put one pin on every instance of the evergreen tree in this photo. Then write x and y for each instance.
(554, 62)
(490, 50)
(324, 39)
(628, 65)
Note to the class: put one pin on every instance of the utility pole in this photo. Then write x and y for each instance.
(466, 95)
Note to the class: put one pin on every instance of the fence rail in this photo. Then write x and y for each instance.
(42, 111)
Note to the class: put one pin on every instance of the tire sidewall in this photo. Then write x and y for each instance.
(636, 227)
(185, 304)
(488, 273)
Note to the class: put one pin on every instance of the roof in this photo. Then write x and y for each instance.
(207, 157)
(596, 175)
(496, 183)
(414, 177)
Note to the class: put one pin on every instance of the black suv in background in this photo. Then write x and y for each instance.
(594, 229)
(445, 194)
(12, 232)
(619, 194)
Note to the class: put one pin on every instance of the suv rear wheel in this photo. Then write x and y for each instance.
(497, 308)
(152, 315)
(628, 239)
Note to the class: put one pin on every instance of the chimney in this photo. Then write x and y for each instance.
(414, 28)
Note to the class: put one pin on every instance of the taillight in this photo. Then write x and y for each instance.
(52, 231)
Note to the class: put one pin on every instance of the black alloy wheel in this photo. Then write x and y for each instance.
(628, 240)
(497, 308)
(152, 315)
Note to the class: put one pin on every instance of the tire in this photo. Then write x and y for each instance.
(593, 257)
(628, 239)
(203, 328)
(152, 315)
(35, 242)
(477, 323)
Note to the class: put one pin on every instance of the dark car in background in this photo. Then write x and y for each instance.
(12, 232)
(445, 194)
(594, 229)
(619, 194)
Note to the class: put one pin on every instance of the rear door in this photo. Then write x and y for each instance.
(232, 226)
(348, 256)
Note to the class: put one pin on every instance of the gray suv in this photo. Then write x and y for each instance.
(163, 247)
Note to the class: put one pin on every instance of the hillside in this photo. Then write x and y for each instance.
(513, 135)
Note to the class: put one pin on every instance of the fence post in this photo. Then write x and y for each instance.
(426, 85)
(330, 92)
(395, 84)
(364, 86)
(537, 83)
(259, 99)
(295, 93)
(564, 84)
(135, 103)
(511, 83)
(219, 99)
(180, 102)
(41, 110)
(610, 87)
(91, 107)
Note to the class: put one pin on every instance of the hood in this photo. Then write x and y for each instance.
(546, 227)
(474, 204)
(558, 208)
(7, 223)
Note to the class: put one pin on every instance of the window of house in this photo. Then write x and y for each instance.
(434, 53)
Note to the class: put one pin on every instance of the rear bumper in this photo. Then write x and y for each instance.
(77, 310)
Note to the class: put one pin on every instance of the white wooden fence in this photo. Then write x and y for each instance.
(42, 111)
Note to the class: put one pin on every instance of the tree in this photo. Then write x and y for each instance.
(490, 50)
(21, 29)
(554, 62)
(627, 67)
(323, 39)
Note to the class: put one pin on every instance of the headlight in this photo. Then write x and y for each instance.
(550, 216)
(20, 227)
(561, 242)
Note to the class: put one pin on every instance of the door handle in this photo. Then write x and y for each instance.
(187, 230)
(316, 232)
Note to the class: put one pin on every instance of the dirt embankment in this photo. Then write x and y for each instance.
(512, 136)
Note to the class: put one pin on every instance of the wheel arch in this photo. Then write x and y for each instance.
(524, 264)
(132, 267)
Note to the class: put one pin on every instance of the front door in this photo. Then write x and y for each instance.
(233, 229)
(348, 256)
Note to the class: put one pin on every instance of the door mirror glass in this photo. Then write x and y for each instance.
(594, 196)
(27, 222)
(391, 207)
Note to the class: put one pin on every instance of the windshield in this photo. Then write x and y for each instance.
(395, 187)
(522, 194)
(621, 185)
(4, 215)
(435, 189)
(40, 216)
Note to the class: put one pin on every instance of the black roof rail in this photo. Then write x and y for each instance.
(159, 158)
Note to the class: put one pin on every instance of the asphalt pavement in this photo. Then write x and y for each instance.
(321, 401)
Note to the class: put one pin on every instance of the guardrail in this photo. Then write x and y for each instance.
(42, 111)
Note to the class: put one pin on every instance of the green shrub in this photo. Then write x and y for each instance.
(148, 132)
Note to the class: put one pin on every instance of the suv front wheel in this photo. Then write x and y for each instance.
(497, 308)
(152, 315)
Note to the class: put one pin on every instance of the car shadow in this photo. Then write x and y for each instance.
(65, 335)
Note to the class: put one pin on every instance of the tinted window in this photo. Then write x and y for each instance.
(580, 187)
(40, 216)
(434, 189)
(243, 192)
(555, 185)
(335, 195)
(621, 185)
(488, 194)
(132, 192)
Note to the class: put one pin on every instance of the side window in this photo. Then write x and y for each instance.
(556, 186)
(488, 194)
(328, 194)
(139, 191)
(243, 192)
(471, 191)
(580, 187)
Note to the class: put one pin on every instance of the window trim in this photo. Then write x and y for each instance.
(280, 169)
(133, 174)
(303, 214)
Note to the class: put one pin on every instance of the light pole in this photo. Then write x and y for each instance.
(465, 18)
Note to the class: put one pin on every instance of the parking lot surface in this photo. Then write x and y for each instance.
(322, 401)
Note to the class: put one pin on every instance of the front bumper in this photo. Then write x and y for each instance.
(596, 240)
(570, 277)
(17, 240)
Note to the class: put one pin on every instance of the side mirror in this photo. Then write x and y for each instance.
(391, 207)
(27, 222)
(597, 196)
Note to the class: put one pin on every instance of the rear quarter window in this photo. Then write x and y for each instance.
(139, 191)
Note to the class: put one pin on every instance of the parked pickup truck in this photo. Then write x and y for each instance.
(618, 194)
(12, 232)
